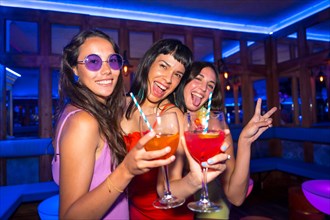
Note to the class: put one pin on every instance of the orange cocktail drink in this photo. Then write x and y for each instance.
(162, 141)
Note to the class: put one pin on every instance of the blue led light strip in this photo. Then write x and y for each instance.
(301, 15)
(162, 18)
(13, 72)
(234, 50)
(313, 36)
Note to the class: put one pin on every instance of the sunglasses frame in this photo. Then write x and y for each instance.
(84, 61)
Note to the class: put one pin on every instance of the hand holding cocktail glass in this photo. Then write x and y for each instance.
(166, 127)
(204, 135)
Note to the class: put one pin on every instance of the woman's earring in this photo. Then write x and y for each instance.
(76, 78)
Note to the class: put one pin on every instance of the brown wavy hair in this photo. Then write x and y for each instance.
(71, 92)
(197, 66)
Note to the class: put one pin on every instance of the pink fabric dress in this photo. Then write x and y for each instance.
(119, 210)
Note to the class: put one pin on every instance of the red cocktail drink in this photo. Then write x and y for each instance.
(203, 146)
(204, 136)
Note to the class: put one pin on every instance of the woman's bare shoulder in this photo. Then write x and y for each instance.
(81, 120)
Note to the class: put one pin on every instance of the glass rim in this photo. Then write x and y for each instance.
(213, 114)
(158, 114)
(213, 111)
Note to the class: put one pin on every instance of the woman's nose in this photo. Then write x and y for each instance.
(168, 77)
(105, 68)
(204, 85)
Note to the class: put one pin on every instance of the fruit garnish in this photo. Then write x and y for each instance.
(208, 135)
(198, 122)
(202, 112)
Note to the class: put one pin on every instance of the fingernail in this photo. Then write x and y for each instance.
(210, 161)
(204, 164)
(168, 149)
(223, 148)
(228, 157)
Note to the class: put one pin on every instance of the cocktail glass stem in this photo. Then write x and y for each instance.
(204, 193)
(168, 200)
(204, 204)
(167, 191)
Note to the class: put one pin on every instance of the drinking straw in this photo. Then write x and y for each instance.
(208, 113)
(141, 112)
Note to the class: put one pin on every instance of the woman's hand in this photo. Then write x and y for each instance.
(139, 161)
(216, 165)
(258, 124)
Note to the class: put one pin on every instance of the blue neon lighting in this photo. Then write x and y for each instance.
(139, 15)
(227, 53)
(13, 72)
(235, 49)
(314, 36)
(209, 58)
(300, 15)
(318, 37)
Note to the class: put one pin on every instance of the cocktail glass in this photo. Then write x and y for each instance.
(204, 136)
(166, 127)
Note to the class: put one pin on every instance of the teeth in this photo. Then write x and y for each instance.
(104, 82)
(160, 86)
(196, 94)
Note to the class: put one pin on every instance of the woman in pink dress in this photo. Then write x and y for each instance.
(91, 164)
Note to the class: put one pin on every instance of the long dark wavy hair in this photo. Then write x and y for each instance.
(195, 70)
(72, 92)
(140, 84)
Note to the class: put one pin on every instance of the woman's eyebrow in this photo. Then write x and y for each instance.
(167, 64)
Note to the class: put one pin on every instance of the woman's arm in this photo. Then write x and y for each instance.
(80, 146)
(79, 143)
(235, 178)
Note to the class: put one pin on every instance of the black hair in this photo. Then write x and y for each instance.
(165, 46)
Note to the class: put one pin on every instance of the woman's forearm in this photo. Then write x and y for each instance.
(239, 178)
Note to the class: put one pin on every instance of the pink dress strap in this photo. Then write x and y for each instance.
(56, 159)
(57, 153)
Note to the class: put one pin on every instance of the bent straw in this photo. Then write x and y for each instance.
(141, 112)
(208, 113)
